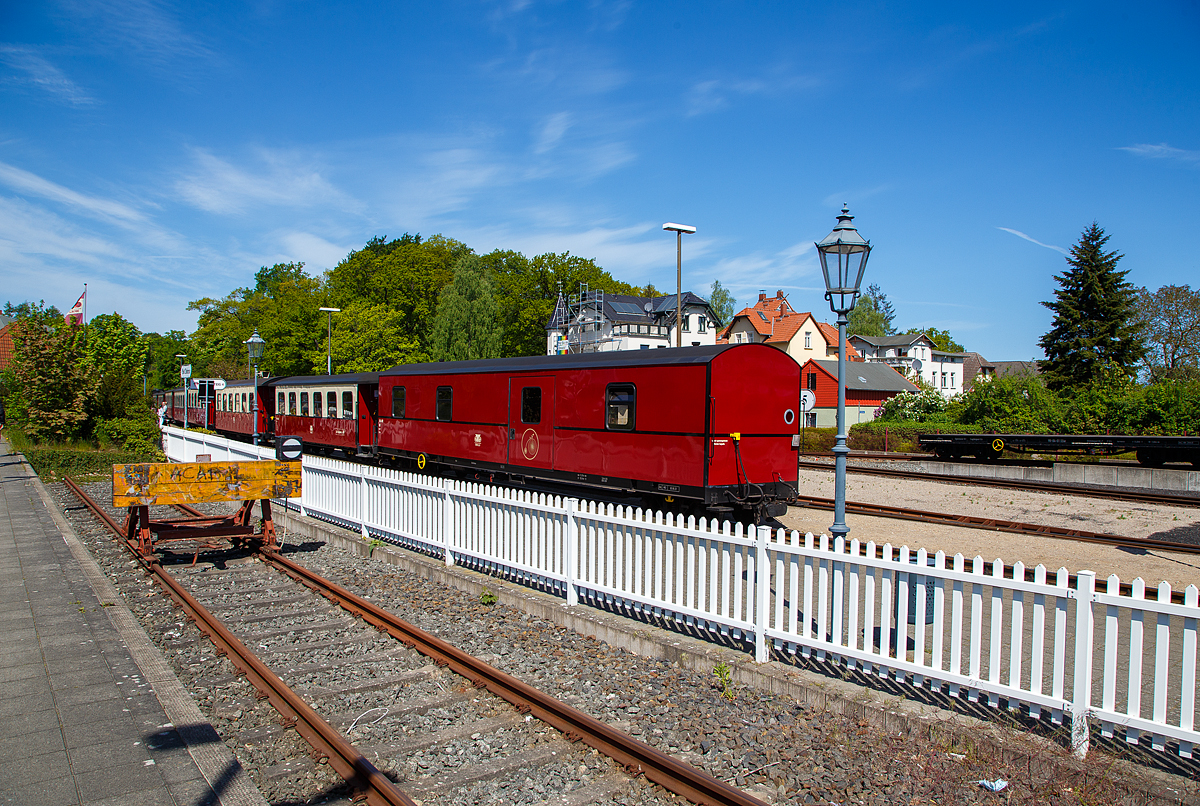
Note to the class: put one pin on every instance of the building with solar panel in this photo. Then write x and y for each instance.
(595, 321)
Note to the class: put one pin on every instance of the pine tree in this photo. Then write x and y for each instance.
(1095, 329)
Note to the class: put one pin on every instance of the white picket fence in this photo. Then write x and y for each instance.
(990, 632)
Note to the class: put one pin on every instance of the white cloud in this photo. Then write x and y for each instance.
(26, 182)
(41, 74)
(1020, 234)
(280, 179)
(712, 95)
(552, 132)
(1162, 151)
(314, 251)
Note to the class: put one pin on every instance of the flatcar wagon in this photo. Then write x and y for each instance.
(1151, 451)
(709, 425)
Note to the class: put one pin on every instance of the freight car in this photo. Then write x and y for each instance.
(1152, 451)
(712, 427)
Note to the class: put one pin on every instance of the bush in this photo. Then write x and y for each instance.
(54, 463)
(926, 403)
(900, 437)
(817, 439)
(131, 434)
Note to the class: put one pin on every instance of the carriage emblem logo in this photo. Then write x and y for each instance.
(529, 443)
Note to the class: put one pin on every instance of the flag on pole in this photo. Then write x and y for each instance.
(76, 310)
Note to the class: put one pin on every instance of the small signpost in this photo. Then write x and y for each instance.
(140, 486)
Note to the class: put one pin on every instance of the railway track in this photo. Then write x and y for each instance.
(1114, 494)
(435, 719)
(1015, 527)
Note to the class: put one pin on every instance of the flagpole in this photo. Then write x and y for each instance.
(85, 309)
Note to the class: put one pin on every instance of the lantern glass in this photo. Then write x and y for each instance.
(255, 345)
(843, 254)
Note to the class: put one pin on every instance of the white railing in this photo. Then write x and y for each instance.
(964, 627)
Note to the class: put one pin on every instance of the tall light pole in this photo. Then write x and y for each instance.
(843, 254)
(186, 383)
(329, 312)
(254, 348)
(679, 229)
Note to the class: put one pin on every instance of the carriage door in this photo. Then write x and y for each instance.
(531, 421)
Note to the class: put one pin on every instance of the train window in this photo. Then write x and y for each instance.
(280, 407)
(398, 400)
(318, 408)
(445, 403)
(331, 403)
(531, 404)
(245, 399)
(622, 405)
(347, 405)
(304, 404)
(291, 402)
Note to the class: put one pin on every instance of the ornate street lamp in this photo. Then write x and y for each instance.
(254, 348)
(844, 256)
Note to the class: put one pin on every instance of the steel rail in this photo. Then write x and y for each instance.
(636, 756)
(1056, 487)
(994, 524)
(327, 743)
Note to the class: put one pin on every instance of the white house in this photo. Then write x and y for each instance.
(594, 321)
(914, 354)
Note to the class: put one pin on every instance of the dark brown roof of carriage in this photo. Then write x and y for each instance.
(672, 356)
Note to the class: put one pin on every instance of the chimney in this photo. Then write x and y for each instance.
(762, 296)
(779, 294)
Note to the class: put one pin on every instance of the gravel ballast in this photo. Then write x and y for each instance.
(771, 745)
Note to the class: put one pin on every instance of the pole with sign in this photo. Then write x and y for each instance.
(808, 399)
(185, 372)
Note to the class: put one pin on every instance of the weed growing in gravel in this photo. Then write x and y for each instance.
(724, 677)
(488, 597)
(374, 544)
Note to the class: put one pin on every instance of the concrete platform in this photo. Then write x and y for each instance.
(90, 712)
(1159, 478)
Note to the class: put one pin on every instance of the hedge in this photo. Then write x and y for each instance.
(54, 463)
(900, 437)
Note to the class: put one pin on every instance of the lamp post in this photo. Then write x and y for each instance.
(186, 383)
(843, 254)
(679, 229)
(254, 348)
(329, 312)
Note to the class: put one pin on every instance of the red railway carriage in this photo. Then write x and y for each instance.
(330, 411)
(235, 409)
(709, 424)
(200, 409)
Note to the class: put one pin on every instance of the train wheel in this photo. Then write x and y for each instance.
(1148, 457)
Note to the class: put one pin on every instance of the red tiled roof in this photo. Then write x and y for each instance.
(831, 337)
(6, 345)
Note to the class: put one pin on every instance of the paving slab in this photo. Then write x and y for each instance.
(84, 694)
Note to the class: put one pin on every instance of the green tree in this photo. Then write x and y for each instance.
(162, 367)
(54, 382)
(866, 319)
(116, 351)
(722, 303)
(1170, 319)
(31, 310)
(1094, 317)
(467, 325)
(527, 288)
(370, 338)
(942, 340)
(406, 275)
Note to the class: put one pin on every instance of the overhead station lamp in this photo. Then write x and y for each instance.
(254, 349)
(329, 312)
(679, 230)
(843, 254)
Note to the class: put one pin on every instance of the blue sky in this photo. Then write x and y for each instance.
(162, 152)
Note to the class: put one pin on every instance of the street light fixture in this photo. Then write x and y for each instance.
(254, 348)
(679, 229)
(186, 384)
(843, 254)
(329, 312)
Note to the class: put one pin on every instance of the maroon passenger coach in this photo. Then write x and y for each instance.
(710, 425)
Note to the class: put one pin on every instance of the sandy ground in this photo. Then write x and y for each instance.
(1123, 518)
